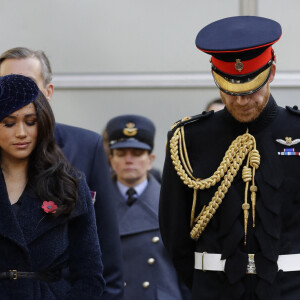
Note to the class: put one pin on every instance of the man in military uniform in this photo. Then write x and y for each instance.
(230, 197)
(148, 271)
(84, 149)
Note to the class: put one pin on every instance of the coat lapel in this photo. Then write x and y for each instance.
(31, 221)
(142, 215)
(137, 218)
(10, 227)
(34, 221)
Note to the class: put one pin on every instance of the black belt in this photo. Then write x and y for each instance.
(46, 276)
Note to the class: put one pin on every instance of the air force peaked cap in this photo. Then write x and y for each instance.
(241, 50)
(16, 91)
(130, 131)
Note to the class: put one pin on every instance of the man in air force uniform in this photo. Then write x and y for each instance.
(148, 271)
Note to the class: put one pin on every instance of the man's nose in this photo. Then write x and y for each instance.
(242, 100)
(128, 157)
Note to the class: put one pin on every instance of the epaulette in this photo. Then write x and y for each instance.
(294, 110)
(188, 120)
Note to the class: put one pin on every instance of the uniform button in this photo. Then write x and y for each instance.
(146, 284)
(155, 239)
(151, 261)
(125, 283)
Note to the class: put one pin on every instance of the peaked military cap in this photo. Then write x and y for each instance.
(241, 50)
(16, 91)
(130, 131)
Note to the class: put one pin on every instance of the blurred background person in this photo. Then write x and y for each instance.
(148, 272)
(84, 150)
(215, 105)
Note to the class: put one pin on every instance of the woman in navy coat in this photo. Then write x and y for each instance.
(48, 238)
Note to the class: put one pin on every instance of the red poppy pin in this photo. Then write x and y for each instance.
(49, 207)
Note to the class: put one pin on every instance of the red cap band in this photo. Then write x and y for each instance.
(244, 67)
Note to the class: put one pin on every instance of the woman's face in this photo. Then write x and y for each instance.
(18, 134)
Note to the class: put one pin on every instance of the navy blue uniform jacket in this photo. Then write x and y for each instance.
(33, 241)
(84, 150)
(141, 241)
(277, 228)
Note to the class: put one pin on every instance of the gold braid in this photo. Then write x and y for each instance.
(227, 170)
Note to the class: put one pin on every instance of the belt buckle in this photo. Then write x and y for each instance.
(251, 268)
(14, 275)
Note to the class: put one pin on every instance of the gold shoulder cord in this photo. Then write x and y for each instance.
(242, 146)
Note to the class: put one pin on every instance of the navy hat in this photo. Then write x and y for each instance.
(16, 91)
(130, 131)
(241, 49)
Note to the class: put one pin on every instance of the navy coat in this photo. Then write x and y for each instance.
(277, 228)
(148, 271)
(33, 241)
(84, 150)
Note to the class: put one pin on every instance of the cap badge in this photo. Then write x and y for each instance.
(289, 142)
(239, 66)
(130, 129)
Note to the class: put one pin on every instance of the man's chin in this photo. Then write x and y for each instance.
(131, 180)
(245, 118)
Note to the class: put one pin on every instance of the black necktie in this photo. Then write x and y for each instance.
(132, 196)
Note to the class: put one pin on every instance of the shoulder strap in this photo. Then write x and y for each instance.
(189, 120)
(294, 110)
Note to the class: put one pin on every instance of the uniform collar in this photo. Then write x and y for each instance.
(265, 118)
(139, 188)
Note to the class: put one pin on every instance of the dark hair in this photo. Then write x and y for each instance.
(49, 173)
(22, 52)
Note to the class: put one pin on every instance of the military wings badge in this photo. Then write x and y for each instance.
(288, 141)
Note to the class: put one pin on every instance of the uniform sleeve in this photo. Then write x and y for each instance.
(107, 225)
(85, 263)
(174, 218)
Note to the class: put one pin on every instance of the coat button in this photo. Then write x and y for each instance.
(125, 283)
(155, 239)
(151, 261)
(146, 284)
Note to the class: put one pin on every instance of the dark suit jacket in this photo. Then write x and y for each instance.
(33, 241)
(84, 150)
